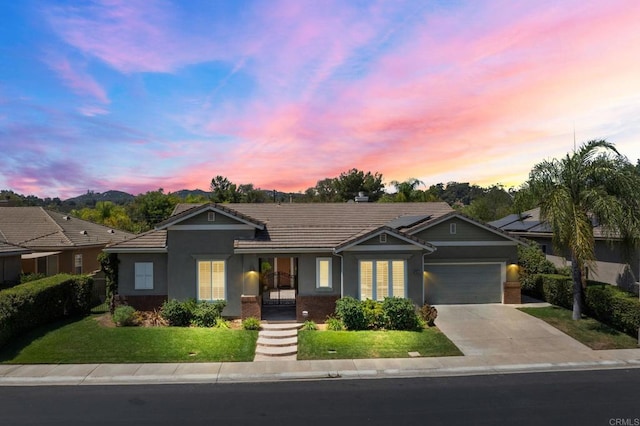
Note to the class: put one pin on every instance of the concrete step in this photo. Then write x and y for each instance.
(278, 334)
(276, 351)
(278, 341)
(280, 326)
(259, 357)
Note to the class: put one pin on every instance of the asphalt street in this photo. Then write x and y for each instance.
(607, 397)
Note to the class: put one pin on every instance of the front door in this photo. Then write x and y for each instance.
(279, 284)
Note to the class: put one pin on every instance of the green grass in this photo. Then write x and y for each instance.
(588, 331)
(86, 341)
(373, 344)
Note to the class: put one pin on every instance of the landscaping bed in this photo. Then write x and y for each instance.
(588, 331)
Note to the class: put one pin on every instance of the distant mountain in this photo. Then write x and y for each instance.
(91, 198)
(184, 193)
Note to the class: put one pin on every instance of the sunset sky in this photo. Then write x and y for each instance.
(138, 95)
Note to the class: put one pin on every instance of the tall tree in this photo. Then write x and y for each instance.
(594, 184)
(350, 183)
(152, 207)
(224, 191)
(493, 204)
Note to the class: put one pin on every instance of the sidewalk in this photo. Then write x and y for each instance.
(269, 371)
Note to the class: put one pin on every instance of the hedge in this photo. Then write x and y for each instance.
(40, 302)
(604, 302)
(613, 306)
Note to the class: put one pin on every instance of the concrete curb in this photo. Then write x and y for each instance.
(15, 377)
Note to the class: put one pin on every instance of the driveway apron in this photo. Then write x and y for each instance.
(495, 329)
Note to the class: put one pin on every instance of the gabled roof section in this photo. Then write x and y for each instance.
(40, 229)
(183, 212)
(149, 242)
(461, 216)
(373, 233)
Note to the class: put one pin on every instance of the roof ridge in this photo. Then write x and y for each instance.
(55, 222)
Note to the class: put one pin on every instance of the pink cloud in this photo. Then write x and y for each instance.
(76, 78)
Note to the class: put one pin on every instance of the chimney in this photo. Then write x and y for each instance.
(361, 198)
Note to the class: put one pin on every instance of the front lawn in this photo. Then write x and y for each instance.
(588, 331)
(87, 341)
(373, 344)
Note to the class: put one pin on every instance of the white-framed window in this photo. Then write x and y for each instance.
(211, 217)
(144, 275)
(77, 263)
(323, 273)
(212, 280)
(382, 278)
(383, 238)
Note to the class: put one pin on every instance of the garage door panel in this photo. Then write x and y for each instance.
(460, 284)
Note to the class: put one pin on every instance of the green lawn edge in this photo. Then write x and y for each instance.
(587, 331)
(85, 341)
(323, 345)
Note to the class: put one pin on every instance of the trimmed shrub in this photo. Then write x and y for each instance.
(373, 314)
(251, 323)
(400, 314)
(124, 316)
(613, 306)
(176, 313)
(532, 262)
(429, 314)
(40, 302)
(309, 325)
(205, 314)
(222, 324)
(350, 311)
(27, 278)
(558, 290)
(334, 324)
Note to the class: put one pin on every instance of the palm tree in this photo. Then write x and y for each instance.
(406, 191)
(592, 185)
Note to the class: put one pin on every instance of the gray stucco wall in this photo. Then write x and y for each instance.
(307, 275)
(465, 231)
(187, 247)
(414, 271)
(126, 274)
(508, 254)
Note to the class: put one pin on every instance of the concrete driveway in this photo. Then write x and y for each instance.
(495, 329)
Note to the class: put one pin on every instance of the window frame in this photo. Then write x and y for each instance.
(77, 263)
(453, 229)
(388, 280)
(329, 285)
(212, 272)
(147, 274)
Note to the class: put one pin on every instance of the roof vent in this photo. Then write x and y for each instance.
(111, 231)
(83, 232)
(361, 198)
(66, 218)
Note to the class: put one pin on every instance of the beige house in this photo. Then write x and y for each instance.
(55, 242)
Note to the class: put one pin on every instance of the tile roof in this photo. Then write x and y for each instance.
(7, 249)
(152, 240)
(37, 228)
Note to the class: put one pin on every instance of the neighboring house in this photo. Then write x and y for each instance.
(58, 243)
(312, 254)
(611, 265)
(10, 263)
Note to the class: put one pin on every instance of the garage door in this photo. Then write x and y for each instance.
(463, 283)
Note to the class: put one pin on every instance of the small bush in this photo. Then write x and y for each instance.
(205, 314)
(334, 324)
(532, 262)
(374, 314)
(176, 313)
(429, 314)
(350, 311)
(222, 324)
(400, 314)
(558, 290)
(309, 325)
(251, 323)
(124, 316)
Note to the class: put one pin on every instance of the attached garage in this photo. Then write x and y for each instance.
(462, 283)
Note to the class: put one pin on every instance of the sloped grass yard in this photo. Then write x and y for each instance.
(587, 331)
(373, 344)
(87, 341)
